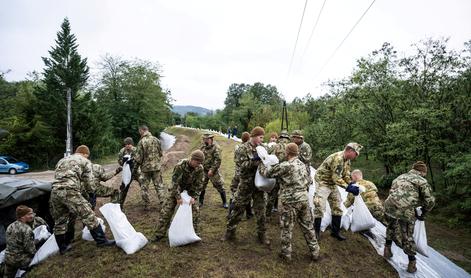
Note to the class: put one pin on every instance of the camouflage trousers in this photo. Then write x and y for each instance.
(272, 198)
(235, 181)
(123, 190)
(326, 193)
(155, 178)
(216, 180)
(167, 211)
(244, 194)
(104, 191)
(12, 266)
(66, 205)
(301, 213)
(405, 239)
(377, 210)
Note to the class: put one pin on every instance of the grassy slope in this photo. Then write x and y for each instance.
(212, 258)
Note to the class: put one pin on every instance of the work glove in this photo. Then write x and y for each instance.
(420, 213)
(125, 158)
(119, 169)
(122, 187)
(353, 189)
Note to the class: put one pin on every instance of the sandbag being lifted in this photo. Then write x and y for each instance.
(361, 217)
(262, 183)
(181, 231)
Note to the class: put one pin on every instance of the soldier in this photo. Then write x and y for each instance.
(147, 158)
(96, 189)
(20, 245)
(236, 179)
(292, 177)
(408, 192)
(127, 153)
(211, 166)
(333, 172)
(305, 151)
(187, 175)
(369, 195)
(248, 161)
(279, 150)
(67, 202)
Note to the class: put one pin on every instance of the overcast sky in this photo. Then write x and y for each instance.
(204, 46)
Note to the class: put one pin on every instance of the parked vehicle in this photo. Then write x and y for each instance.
(11, 165)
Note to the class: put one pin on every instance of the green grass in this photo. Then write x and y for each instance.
(211, 257)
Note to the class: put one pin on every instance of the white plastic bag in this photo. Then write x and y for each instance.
(420, 237)
(48, 249)
(2, 256)
(361, 216)
(86, 233)
(181, 231)
(262, 183)
(41, 233)
(126, 175)
(123, 232)
(326, 218)
(346, 217)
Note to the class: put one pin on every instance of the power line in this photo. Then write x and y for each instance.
(345, 38)
(314, 28)
(297, 37)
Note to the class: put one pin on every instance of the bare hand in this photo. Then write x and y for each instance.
(192, 201)
(180, 201)
(210, 173)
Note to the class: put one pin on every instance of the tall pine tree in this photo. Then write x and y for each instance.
(64, 70)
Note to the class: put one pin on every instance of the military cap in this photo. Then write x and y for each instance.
(208, 135)
(355, 146)
(284, 134)
(292, 149)
(297, 133)
(197, 155)
(128, 141)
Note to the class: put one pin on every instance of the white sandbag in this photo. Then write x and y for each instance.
(41, 233)
(181, 231)
(86, 233)
(2, 256)
(420, 237)
(310, 195)
(326, 218)
(48, 249)
(267, 159)
(264, 184)
(346, 217)
(123, 232)
(361, 216)
(127, 175)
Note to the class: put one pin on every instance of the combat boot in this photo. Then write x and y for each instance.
(64, 247)
(100, 238)
(263, 239)
(335, 227)
(411, 267)
(229, 236)
(317, 228)
(387, 252)
(224, 200)
(285, 258)
(315, 255)
(368, 234)
(201, 199)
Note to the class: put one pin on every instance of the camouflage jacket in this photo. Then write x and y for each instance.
(148, 153)
(186, 178)
(20, 242)
(99, 175)
(305, 154)
(73, 172)
(37, 221)
(335, 170)
(408, 191)
(124, 152)
(243, 159)
(279, 149)
(370, 196)
(292, 177)
(236, 168)
(212, 157)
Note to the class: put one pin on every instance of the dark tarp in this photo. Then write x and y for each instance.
(29, 192)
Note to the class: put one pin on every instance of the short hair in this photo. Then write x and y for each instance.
(356, 171)
(143, 127)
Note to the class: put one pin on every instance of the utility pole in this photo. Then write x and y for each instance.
(68, 144)
(284, 118)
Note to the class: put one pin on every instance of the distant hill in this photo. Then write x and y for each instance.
(183, 109)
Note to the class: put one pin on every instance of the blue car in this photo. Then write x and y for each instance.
(9, 164)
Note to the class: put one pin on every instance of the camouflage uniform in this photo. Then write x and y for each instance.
(147, 158)
(370, 196)
(96, 189)
(184, 178)
(236, 178)
(71, 177)
(247, 190)
(305, 155)
(333, 172)
(408, 191)
(279, 150)
(136, 176)
(212, 161)
(293, 180)
(20, 248)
